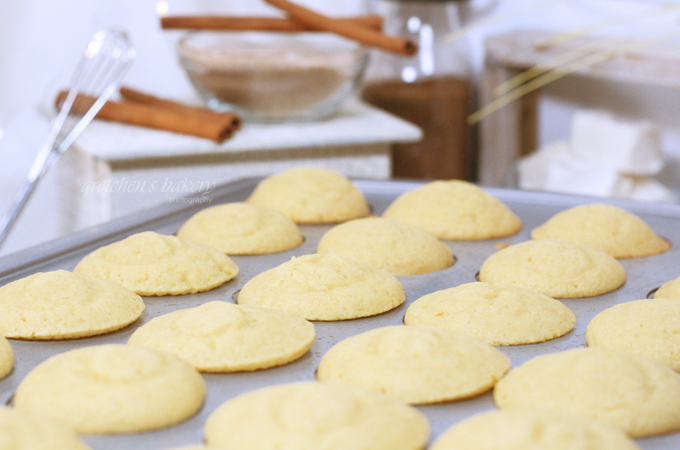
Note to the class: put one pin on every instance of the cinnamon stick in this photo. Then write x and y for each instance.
(249, 23)
(140, 97)
(349, 30)
(217, 128)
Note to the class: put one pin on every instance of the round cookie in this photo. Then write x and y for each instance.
(316, 416)
(6, 358)
(648, 328)
(533, 429)
(555, 268)
(324, 287)
(223, 337)
(669, 290)
(113, 389)
(64, 305)
(455, 210)
(311, 195)
(242, 229)
(612, 230)
(636, 394)
(495, 313)
(20, 430)
(397, 247)
(418, 365)
(152, 264)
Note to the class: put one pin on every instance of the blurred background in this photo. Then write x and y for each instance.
(634, 92)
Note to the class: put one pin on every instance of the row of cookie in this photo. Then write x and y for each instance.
(78, 387)
(452, 210)
(152, 264)
(60, 305)
(221, 337)
(384, 425)
(124, 388)
(576, 400)
(279, 418)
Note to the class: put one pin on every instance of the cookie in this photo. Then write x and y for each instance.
(669, 290)
(648, 328)
(316, 416)
(533, 429)
(311, 195)
(636, 394)
(242, 229)
(113, 389)
(455, 210)
(554, 268)
(152, 264)
(418, 365)
(397, 247)
(64, 305)
(6, 358)
(20, 430)
(497, 314)
(612, 230)
(324, 287)
(223, 337)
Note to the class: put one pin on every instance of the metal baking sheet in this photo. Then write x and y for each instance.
(644, 275)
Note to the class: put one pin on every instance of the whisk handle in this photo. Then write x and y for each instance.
(18, 203)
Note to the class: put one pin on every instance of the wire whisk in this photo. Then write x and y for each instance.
(103, 64)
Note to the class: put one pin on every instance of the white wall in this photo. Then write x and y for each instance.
(40, 40)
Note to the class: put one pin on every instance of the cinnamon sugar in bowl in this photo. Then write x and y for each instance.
(273, 77)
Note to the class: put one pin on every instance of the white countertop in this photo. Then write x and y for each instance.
(355, 124)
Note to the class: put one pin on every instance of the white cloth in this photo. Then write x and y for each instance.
(559, 167)
(568, 175)
(631, 147)
(533, 170)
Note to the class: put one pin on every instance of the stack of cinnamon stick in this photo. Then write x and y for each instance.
(153, 112)
(365, 29)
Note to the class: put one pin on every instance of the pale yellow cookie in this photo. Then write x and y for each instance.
(637, 394)
(397, 247)
(455, 210)
(223, 337)
(242, 229)
(418, 365)
(669, 290)
(613, 230)
(495, 313)
(64, 305)
(152, 264)
(648, 328)
(324, 287)
(316, 416)
(311, 195)
(532, 429)
(21, 430)
(113, 389)
(6, 358)
(557, 269)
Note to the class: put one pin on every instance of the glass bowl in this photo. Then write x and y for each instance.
(273, 77)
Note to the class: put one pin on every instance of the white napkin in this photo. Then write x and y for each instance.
(631, 147)
(650, 190)
(569, 175)
(605, 157)
(533, 169)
